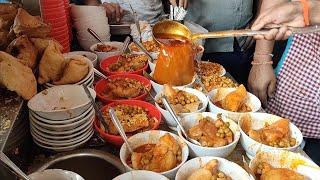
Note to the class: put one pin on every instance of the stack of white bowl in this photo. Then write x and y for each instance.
(89, 79)
(61, 117)
(93, 17)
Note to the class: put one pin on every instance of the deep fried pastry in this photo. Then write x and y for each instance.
(17, 77)
(51, 65)
(41, 44)
(25, 24)
(234, 100)
(268, 172)
(7, 15)
(24, 50)
(163, 156)
(209, 172)
(75, 70)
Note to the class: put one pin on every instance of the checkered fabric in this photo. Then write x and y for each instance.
(297, 94)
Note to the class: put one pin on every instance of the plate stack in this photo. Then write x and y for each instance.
(61, 117)
(93, 17)
(54, 13)
(88, 80)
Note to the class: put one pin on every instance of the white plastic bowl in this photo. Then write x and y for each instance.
(86, 42)
(63, 127)
(60, 143)
(55, 174)
(87, 78)
(223, 70)
(259, 120)
(140, 174)
(64, 148)
(285, 159)
(38, 128)
(78, 11)
(159, 87)
(61, 137)
(231, 169)
(152, 137)
(169, 119)
(61, 102)
(91, 56)
(252, 101)
(199, 151)
(104, 55)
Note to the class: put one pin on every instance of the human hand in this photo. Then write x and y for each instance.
(285, 14)
(113, 11)
(262, 82)
(182, 3)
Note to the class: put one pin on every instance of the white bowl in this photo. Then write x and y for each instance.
(60, 137)
(60, 143)
(285, 159)
(78, 11)
(159, 87)
(61, 102)
(104, 55)
(223, 70)
(55, 174)
(64, 148)
(140, 174)
(86, 43)
(88, 77)
(91, 56)
(59, 132)
(231, 169)
(152, 137)
(252, 101)
(169, 119)
(87, 82)
(61, 122)
(63, 127)
(258, 121)
(198, 151)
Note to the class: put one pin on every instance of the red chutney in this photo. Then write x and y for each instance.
(175, 64)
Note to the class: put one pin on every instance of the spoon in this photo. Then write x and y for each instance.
(247, 168)
(141, 47)
(97, 72)
(13, 167)
(95, 35)
(175, 117)
(125, 44)
(97, 111)
(181, 32)
(148, 76)
(120, 129)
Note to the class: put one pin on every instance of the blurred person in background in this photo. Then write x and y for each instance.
(294, 87)
(120, 11)
(216, 15)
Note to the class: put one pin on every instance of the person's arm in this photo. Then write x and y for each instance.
(262, 80)
(314, 11)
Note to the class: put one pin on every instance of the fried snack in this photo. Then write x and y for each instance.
(163, 156)
(276, 134)
(24, 50)
(181, 101)
(212, 133)
(7, 15)
(51, 65)
(25, 24)
(75, 70)
(17, 77)
(4, 41)
(41, 44)
(208, 69)
(105, 48)
(132, 118)
(129, 63)
(267, 172)
(234, 100)
(214, 82)
(123, 88)
(210, 171)
(151, 46)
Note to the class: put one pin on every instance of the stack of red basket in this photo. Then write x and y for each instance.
(56, 13)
